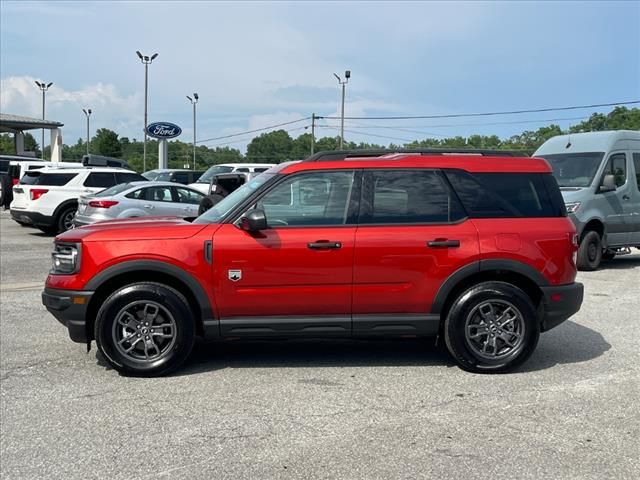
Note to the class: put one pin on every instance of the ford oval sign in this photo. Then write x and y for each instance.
(163, 130)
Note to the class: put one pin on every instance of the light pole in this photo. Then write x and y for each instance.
(87, 113)
(347, 75)
(194, 101)
(146, 60)
(43, 87)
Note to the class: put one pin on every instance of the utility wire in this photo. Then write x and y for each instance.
(450, 125)
(485, 114)
(368, 134)
(252, 131)
(249, 138)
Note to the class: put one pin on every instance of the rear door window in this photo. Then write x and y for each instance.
(408, 197)
(50, 179)
(636, 164)
(100, 180)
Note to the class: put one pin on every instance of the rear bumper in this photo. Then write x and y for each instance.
(32, 218)
(70, 309)
(560, 303)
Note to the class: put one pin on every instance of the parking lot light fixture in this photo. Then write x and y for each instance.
(87, 113)
(347, 75)
(146, 61)
(43, 88)
(194, 101)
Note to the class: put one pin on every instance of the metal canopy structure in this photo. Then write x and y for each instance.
(18, 124)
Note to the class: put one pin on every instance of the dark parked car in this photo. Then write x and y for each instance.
(173, 175)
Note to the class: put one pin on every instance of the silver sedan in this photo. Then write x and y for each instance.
(138, 199)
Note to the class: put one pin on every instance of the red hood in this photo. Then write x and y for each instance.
(147, 228)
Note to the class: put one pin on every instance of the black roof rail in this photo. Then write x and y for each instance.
(329, 155)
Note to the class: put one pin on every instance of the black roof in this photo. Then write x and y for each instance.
(329, 155)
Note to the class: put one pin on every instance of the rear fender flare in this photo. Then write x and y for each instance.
(484, 266)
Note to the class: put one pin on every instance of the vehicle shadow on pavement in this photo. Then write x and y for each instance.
(567, 343)
(314, 353)
(621, 263)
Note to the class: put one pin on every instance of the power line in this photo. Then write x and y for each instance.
(486, 114)
(450, 125)
(249, 138)
(369, 134)
(253, 131)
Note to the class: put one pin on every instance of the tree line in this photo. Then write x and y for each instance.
(278, 146)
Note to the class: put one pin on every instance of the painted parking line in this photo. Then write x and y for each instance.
(21, 287)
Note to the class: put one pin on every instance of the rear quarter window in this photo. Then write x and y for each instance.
(49, 179)
(508, 195)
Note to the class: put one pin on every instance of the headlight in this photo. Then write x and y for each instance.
(65, 258)
(572, 207)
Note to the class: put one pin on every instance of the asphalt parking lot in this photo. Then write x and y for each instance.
(315, 409)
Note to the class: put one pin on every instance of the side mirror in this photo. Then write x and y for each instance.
(608, 184)
(254, 221)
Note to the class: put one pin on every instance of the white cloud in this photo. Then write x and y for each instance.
(111, 109)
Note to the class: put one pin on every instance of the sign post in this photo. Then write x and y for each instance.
(163, 131)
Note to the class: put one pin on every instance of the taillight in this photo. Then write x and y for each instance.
(102, 203)
(15, 181)
(36, 193)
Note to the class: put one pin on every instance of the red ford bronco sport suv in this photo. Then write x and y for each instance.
(476, 249)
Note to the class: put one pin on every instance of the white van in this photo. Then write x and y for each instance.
(203, 182)
(599, 177)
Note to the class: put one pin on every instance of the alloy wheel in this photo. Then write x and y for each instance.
(495, 330)
(144, 331)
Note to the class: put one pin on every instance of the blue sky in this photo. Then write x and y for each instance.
(258, 64)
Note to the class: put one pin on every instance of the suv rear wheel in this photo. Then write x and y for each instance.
(590, 251)
(491, 327)
(145, 329)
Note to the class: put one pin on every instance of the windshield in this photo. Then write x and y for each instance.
(215, 170)
(574, 169)
(224, 206)
(151, 175)
(116, 189)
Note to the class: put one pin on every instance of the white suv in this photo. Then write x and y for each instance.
(47, 198)
(203, 182)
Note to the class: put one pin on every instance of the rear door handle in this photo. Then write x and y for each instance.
(148, 206)
(626, 197)
(443, 243)
(324, 245)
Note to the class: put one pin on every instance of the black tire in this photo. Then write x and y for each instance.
(171, 306)
(209, 201)
(6, 191)
(590, 252)
(467, 309)
(64, 220)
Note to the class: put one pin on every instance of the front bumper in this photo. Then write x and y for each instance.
(560, 303)
(70, 309)
(32, 218)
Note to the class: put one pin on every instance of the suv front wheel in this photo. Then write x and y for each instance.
(491, 327)
(145, 329)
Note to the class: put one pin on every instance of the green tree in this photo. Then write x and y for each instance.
(272, 147)
(7, 145)
(106, 143)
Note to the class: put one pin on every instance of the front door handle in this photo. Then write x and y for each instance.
(150, 207)
(324, 245)
(626, 197)
(443, 243)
